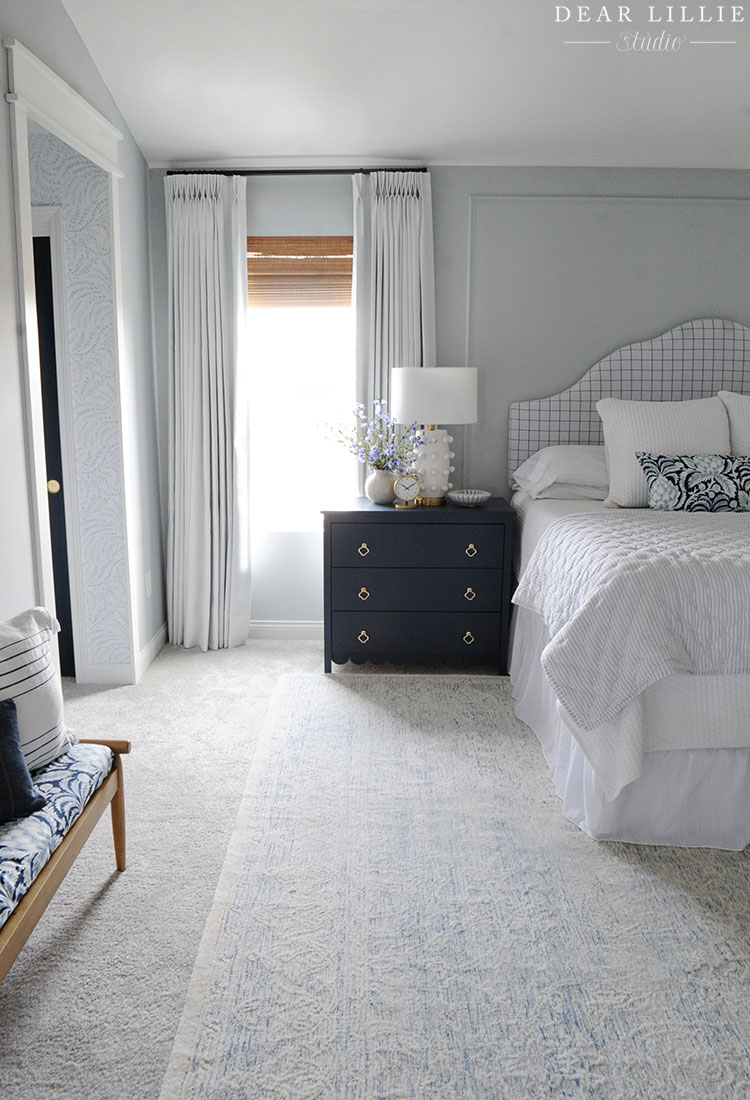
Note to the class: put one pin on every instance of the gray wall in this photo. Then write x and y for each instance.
(531, 289)
(540, 272)
(45, 28)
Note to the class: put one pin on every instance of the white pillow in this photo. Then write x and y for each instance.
(28, 674)
(566, 472)
(738, 410)
(657, 427)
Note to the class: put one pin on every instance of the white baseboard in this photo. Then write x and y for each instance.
(115, 674)
(120, 674)
(150, 650)
(300, 631)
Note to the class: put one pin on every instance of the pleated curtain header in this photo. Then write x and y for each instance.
(203, 186)
(399, 184)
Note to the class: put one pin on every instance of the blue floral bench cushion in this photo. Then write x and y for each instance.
(26, 844)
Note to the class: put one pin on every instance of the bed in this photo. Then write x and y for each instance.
(630, 645)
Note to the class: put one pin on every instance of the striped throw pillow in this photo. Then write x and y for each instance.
(29, 675)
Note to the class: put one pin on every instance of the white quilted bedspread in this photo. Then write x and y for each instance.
(632, 596)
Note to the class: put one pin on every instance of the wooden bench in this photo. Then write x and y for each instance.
(22, 921)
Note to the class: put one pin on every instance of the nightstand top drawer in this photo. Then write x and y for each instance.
(414, 545)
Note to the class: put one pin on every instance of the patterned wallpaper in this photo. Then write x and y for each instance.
(62, 177)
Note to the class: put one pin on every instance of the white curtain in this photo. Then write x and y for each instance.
(394, 278)
(208, 551)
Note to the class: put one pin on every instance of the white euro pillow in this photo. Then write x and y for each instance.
(657, 427)
(738, 410)
(28, 675)
(565, 471)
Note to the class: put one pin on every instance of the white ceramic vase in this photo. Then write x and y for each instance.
(379, 486)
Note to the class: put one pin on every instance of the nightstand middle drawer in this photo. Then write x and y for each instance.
(416, 589)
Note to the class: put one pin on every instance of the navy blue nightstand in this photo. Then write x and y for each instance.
(419, 584)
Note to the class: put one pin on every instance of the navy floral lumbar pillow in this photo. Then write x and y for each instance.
(697, 483)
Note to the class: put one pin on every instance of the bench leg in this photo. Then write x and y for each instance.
(117, 807)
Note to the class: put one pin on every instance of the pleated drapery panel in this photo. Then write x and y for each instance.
(208, 545)
(394, 278)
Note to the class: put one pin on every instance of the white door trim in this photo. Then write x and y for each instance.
(38, 95)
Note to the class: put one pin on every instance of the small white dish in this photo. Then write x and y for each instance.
(469, 498)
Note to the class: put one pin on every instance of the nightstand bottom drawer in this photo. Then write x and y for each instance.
(399, 634)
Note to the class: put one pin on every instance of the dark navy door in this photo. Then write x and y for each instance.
(55, 484)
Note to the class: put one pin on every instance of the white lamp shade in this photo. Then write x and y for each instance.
(434, 395)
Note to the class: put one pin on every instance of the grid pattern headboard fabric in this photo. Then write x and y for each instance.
(696, 359)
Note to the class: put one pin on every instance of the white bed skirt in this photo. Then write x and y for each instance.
(692, 798)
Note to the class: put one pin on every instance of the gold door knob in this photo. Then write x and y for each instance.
(470, 594)
(471, 550)
(363, 550)
(363, 637)
(363, 594)
(53, 486)
(468, 637)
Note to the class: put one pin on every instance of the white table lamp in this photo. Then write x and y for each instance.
(432, 396)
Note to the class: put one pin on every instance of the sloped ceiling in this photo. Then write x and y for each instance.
(261, 83)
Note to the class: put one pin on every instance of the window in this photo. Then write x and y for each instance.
(301, 336)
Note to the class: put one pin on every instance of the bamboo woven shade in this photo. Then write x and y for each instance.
(299, 271)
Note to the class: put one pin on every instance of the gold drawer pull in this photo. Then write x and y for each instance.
(471, 550)
(363, 550)
(363, 637)
(363, 594)
(470, 594)
(468, 637)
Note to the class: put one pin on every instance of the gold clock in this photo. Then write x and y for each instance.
(406, 490)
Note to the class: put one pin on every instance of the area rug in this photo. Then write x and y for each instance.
(403, 912)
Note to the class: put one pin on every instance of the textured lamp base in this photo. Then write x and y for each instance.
(434, 466)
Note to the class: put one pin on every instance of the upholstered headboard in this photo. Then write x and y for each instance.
(696, 359)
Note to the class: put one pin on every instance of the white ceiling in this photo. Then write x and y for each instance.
(244, 83)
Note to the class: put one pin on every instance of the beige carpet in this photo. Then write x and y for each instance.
(90, 1009)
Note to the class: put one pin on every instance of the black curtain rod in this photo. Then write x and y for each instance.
(288, 171)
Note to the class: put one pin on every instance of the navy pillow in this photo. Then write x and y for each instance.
(697, 483)
(18, 796)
